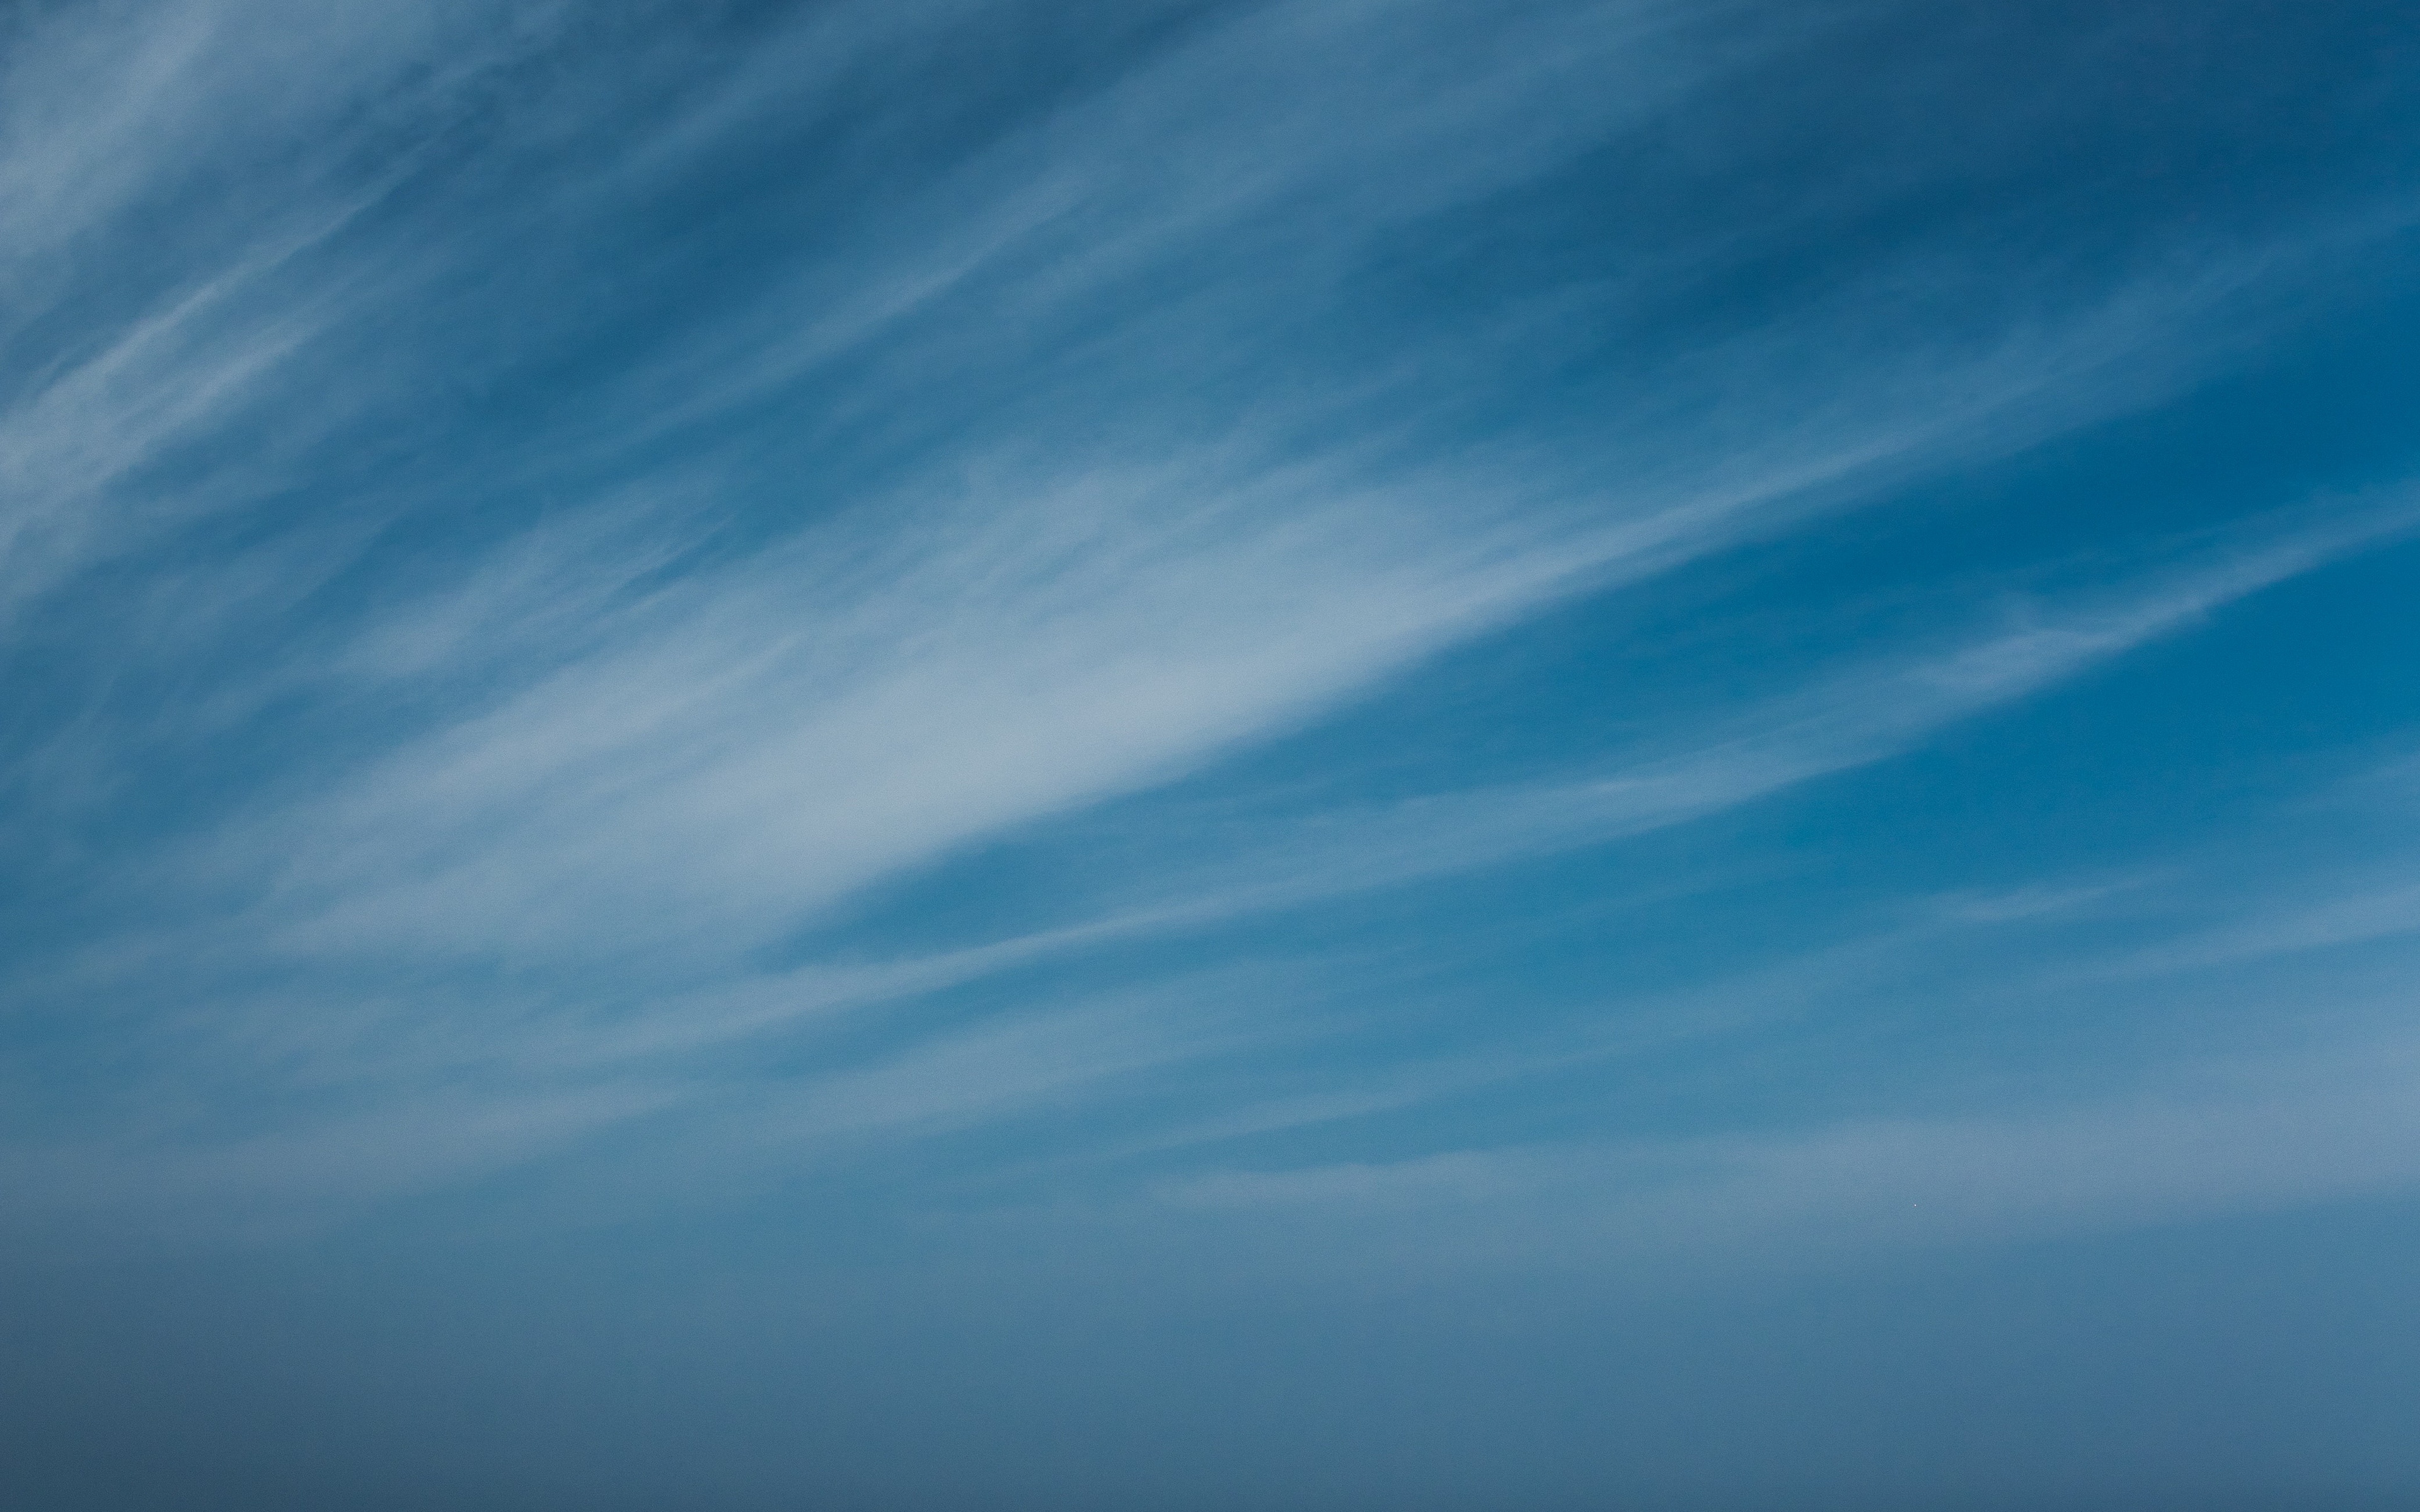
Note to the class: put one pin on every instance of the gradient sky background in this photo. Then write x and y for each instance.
(1103, 754)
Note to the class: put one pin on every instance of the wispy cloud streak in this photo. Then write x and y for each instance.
(573, 515)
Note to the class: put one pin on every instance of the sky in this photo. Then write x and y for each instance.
(1173, 754)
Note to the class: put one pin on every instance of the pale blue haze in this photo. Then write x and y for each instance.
(1360, 754)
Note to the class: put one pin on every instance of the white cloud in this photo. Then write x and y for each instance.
(610, 756)
(2205, 1140)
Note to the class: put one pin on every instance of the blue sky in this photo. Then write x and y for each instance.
(1176, 755)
